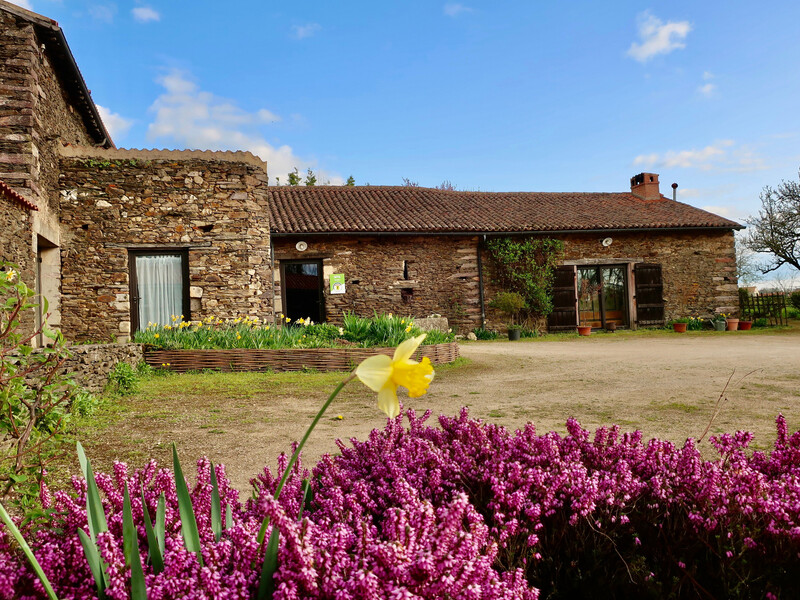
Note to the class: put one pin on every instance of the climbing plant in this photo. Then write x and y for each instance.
(527, 266)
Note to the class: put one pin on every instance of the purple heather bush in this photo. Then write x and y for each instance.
(465, 510)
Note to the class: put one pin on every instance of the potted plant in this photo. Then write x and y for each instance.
(510, 303)
(732, 323)
(719, 322)
(680, 325)
(584, 329)
(745, 325)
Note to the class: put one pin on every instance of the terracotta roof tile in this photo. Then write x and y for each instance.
(8, 192)
(377, 209)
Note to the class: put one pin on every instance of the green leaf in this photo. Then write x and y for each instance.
(266, 587)
(4, 516)
(216, 508)
(189, 530)
(154, 550)
(307, 498)
(94, 507)
(95, 562)
(161, 517)
(130, 548)
(228, 517)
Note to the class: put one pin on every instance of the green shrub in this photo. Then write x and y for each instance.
(509, 303)
(123, 380)
(485, 334)
(84, 404)
(760, 322)
(34, 396)
(794, 299)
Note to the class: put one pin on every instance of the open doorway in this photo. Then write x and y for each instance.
(302, 290)
(48, 286)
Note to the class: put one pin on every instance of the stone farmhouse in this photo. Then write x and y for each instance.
(119, 238)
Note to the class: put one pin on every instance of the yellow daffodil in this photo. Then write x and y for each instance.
(339, 417)
(341, 331)
(408, 328)
(174, 318)
(156, 336)
(288, 320)
(384, 375)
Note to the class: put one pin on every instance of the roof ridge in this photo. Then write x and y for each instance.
(240, 156)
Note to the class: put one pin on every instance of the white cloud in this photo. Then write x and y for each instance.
(707, 89)
(22, 3)
(145, 14)
(723, 211)
(187, 117)
(103, 12)
(658, 37)
(116, 124)
(723, 156)
(304, 31)
(453, 9)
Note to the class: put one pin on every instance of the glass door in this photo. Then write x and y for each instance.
(602, 296)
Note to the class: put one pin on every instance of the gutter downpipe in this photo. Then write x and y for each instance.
(480, 283)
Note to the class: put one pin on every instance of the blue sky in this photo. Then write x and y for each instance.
(534, 96)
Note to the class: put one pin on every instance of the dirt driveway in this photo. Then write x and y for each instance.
(665, 385)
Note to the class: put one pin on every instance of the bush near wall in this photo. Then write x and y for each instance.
(464, 510)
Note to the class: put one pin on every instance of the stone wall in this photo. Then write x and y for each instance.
(16, 237)
(36, 115)
(213, 204)
(90, 365)
(698, 267)
(405, 275)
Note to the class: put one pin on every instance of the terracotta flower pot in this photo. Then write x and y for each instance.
(745, 325)
(733, 324)
(679, 327)
(584, 329)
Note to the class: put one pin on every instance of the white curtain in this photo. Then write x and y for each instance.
(160, 280)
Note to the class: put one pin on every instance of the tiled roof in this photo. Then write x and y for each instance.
(375, 209)
(8, 192)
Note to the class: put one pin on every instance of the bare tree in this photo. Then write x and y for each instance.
(776, 229)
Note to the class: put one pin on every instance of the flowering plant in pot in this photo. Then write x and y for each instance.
(510, 303)
(680, 325)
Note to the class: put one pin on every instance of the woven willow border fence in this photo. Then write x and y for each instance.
(295, 359)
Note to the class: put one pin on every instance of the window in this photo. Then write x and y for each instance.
(159, 286)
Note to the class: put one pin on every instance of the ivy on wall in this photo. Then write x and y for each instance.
(527, 266)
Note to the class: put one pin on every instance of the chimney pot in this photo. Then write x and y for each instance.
(645, 186)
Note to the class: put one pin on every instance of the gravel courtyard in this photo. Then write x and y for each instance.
(666, 385)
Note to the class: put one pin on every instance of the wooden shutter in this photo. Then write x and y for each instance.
(649, 295)
(565, 301)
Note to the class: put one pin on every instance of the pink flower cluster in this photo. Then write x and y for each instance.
(466, 510)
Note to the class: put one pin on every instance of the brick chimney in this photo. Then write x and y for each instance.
(645, 186)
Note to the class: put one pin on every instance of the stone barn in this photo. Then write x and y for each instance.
(417, 251)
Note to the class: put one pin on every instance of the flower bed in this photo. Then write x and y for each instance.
(290, 359)
(249, 332)
(464, 510)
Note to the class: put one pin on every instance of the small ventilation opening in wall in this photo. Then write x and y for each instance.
(407, 295)
(85, 227)
(405, 270)
(206, 228)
